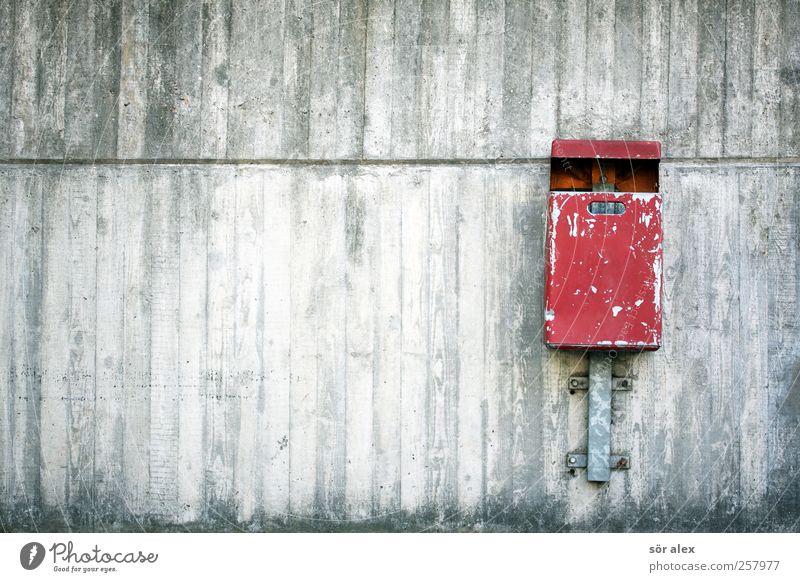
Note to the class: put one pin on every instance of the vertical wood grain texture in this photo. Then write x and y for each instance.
(192, 344)
(655, 46)
(723, 272)
(191, 370)
(415, 299)
(79, 108)
(719, 302)
(161, 117)
(7, 203)
(641, 436)
(517, 80)
(297, 73)
(692, 424)
(388, 352)
(135, 197)
(7, 38)
(629, 59)
(304, 347)
(346, 79)
(376, 134)
(573, 76)
(544, 76)
(711, 88)
(220, 64)
(621, 492)
(487, 82)
(767, 15)
(498, 370)
(682, 65)
(164, 332)
(460, 99)
(55, 392)
(51, 70)
(361, 232)
(92, 79)
(323, 56)
(69, 327)
(783, 489)
(755, 224)
(790, 81)
(224, 391)
(739, 104)
(432, 76)
(133, 98)
(110, 357)
(274, 403)
(248, 335)
(406, 79)
(254, 75)
(107, 58)
(335, 346)
(328, 196)
(581, 497)
(600, 94)
(187, 28)
(442, 319)
(528, 198)
(23, 79)
(471, 341)
(350, 65)
(22, 373)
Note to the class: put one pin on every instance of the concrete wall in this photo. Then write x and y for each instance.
(279, 265)
(401, 79)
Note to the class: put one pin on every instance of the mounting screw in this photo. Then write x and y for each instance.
(572, 460)
(624, 383)
(574, 382)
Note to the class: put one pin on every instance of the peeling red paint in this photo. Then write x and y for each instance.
(603, 287)
(599, 148)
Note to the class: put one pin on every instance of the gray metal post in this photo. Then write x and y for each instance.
(599, 416)
(600, 395)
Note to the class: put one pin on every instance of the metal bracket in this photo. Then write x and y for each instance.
(581, 461)
(582, 383)
(598, 460)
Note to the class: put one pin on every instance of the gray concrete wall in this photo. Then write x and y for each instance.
(337, 323)
(244, 79)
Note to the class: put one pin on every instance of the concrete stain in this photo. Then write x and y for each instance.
(354, 226)
(221, 75)
(790, 76)
(791, 403)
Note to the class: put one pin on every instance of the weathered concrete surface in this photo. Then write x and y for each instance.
(359, 347)
(244, 79)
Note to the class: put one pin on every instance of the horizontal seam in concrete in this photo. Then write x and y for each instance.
(743, 161)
